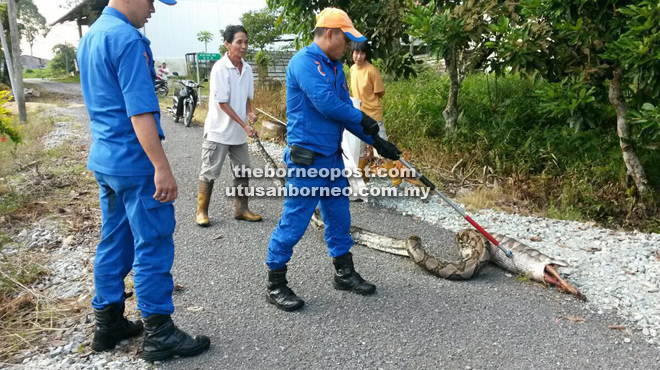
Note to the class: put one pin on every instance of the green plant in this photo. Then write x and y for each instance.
(382, 22)
(262, 60)
(571, 101)
(647, 120)
(64, 59)
(7, 127)
(205, 37)
(262, 26)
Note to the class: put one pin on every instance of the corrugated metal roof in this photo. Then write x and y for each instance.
(78, 12)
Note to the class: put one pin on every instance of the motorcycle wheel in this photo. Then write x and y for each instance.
(188, 110)
(163, 91)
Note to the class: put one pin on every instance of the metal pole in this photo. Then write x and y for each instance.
(199, 88)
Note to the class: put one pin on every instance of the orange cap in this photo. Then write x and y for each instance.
(337, 18)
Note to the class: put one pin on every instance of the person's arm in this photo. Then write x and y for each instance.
(379, 87)
(252, 115)
(232, 114)
(134, 77)
(145, 129)
(325, 99)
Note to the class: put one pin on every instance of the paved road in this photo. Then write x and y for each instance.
(415, 321)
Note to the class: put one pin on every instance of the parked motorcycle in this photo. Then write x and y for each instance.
(184, 101)
(161, 88)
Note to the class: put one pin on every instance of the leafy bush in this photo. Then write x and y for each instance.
(574, 174)
(572, 101)
(262, 60)
(6, 122)
(647, 120)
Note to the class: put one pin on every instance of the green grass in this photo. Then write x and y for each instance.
(48, 73)
(558, 172)
(68, 79)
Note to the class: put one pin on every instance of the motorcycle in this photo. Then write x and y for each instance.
(184, 101)
(161, 88)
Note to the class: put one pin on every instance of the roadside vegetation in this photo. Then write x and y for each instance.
(35, 182)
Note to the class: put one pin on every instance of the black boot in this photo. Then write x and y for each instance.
(112, 327)
(346, 278)
(162, 339)
(279, 293)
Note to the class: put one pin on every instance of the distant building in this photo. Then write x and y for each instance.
(30, 62)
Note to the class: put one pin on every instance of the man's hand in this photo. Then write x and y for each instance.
(369, 125)
(386, 149)
(166, 188)
(147, 133)
(252, 118)
(251, 132)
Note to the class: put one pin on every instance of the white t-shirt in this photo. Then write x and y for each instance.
(162, 73)
(228, 86)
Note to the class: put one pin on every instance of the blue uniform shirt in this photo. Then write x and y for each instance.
(117, 77)
(318, 106)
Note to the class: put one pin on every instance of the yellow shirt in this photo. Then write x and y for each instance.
(365, 84)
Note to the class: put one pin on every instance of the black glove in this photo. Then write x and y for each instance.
(386, 149)
(369, 125)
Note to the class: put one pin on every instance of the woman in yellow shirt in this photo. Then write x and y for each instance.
(367, 85)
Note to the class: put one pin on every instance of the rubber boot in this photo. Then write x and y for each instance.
(162, 339)
(346, 278)
(279, 293)
(241, 211)
(112, 327)
(396, 180)
(362, 165)
(205, 188)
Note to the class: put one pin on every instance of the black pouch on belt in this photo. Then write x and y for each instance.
(302, 156)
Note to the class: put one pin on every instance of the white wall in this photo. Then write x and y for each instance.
(173, 29)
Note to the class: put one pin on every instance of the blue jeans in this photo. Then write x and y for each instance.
(298, 211)
(136, 233)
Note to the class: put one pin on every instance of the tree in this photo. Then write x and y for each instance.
(449, 29)
(32, 23)
(262, 26)
(64, 57)
(17, 84)
(381, 22)
(205, 37)
(613, 45)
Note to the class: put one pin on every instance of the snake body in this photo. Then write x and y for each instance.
(471, 246)
(474, 251)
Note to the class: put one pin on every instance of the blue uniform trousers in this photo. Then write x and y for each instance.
(298, 212)
(136, 233)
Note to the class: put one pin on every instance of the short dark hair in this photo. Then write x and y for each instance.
(231, 31)
(319, 31)
(363, 47)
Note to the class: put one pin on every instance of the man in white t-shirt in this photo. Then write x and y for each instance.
(163, 72)
(228, 125)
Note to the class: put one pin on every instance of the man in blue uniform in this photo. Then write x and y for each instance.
(137, 187)
(319, 108)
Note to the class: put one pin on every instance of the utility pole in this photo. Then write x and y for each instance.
(10, 64)
(19, 92)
